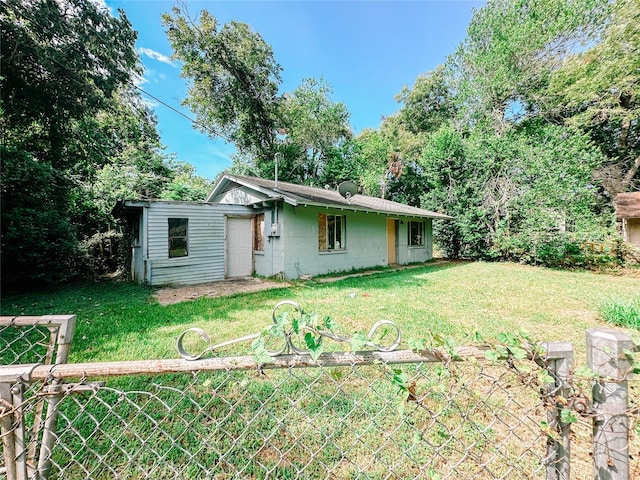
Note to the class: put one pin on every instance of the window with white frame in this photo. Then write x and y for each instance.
(416, 233)
(331, 232)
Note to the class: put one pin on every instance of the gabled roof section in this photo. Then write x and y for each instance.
(303, 195)
(628, 205)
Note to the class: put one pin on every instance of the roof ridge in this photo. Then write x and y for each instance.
(306, 194)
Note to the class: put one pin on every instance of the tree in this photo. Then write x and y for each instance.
(372, 150)
(61, 63)
(499, 129)
(39, 241)
(313, 126)
(511, 49)
(185, 184)
(598, 90)
(429, 103)
(233, 76)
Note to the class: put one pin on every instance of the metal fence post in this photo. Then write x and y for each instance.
(61, 331)
(559, 363)
(7, 431)
(12, 426)
(606, 358)
(12, 430)
(64, 339)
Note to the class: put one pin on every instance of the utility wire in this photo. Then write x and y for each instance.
(129, 83)
(179, 112)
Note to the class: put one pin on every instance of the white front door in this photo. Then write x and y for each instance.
(239, 247)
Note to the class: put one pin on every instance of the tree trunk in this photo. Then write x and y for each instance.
(628, 178)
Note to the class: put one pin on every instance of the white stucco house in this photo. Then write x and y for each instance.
(252, 226)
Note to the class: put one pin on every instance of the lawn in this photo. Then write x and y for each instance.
(121, 321)
(301, 423)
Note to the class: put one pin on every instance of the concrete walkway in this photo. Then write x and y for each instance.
(223, 288)
(373, 272)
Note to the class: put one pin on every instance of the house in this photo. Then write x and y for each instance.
(628, 214)
(252, 226)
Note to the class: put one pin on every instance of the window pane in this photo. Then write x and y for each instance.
(416, 237)
(331, 231)
(177, 247)
(178, 244)
(339, 244)
(322, 231)
(258, 230)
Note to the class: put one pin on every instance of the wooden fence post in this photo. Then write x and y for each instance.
(606, 358)
(559, 364)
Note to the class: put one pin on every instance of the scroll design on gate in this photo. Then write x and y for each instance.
(297, 332)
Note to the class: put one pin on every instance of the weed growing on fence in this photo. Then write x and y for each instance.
(461, 421)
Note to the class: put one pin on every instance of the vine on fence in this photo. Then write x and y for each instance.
(299, 332)
(304, 333)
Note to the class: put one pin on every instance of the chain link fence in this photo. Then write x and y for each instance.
(437, 414)
(43, 340)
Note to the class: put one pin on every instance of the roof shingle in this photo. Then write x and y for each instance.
(628, 205)
(305, 195)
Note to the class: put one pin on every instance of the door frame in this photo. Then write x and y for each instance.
(249, 219)
(392, 232)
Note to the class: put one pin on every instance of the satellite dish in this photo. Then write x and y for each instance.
(348, 189)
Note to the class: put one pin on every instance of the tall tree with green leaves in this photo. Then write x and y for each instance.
(61, 64)
(372, 150)
(598, 91)
(429, 103)
(233, 79)
(500, 128)
(511, 49)
(313, 125)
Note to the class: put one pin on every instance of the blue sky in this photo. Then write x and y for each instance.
(366, 50)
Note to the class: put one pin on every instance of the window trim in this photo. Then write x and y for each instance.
(178, 237)
(323, 239)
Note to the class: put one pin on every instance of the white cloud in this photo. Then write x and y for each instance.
(139, 80)
(155, 55)
(149, 102)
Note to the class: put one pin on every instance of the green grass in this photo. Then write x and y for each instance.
(622, 314)
(121, 321)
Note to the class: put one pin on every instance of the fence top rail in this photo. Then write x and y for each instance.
(65, 324)
(329, 359)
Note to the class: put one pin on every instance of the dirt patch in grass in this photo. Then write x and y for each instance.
(169, 295)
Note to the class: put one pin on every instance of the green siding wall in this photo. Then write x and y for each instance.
(366, 244)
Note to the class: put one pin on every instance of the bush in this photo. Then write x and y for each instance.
(559, 249)
(39, 241)
(101, 254)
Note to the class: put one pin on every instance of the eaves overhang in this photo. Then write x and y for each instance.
(124, 208)
(358, 208)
